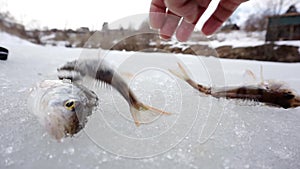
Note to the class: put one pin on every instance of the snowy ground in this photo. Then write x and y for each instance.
(203, 132)
(232, 38)
(245, 39)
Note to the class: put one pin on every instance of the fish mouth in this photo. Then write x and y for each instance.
(74, 125)
(59, 126)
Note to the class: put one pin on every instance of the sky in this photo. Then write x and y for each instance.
(73, 14)
(79, 13)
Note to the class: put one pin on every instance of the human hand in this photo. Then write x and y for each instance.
(190, 11)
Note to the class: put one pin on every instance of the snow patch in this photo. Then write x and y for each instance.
(8, 40)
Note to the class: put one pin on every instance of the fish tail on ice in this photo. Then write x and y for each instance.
(184, 76)
(140, 110)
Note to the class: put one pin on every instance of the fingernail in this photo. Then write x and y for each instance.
(164, 37)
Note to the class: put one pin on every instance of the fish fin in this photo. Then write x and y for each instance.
(69, 66)
(271, 84)
(137, 110)
(262, 80)
(101, 84)
(184, 76)
(128, 75)
(69, 74)
(249, 78)
(177, 74)
(181, 75)
(94, 83)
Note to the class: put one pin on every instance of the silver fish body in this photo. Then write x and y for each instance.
(100, 70)
(61, 106)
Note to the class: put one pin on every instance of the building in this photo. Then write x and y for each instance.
(230, 27)
(284, 27)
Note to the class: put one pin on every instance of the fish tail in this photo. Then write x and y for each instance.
(69, 66)
(181, 75)
(139, 109)
(184, 76)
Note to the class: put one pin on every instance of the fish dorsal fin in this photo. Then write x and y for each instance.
(262, 80)
(93, 83)
(73, 76)
(270, 84)
(249, 78)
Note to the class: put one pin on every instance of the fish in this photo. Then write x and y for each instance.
(269, 93)
(100, 70)
(61, 106)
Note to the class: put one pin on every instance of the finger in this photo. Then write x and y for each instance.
(169, 26)
(222, 13)
(185, 29)
(157, 13)
(185, 8)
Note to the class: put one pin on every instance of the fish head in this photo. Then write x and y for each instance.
(61, 107)
(295, 102)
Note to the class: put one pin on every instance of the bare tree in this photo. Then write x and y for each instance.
(256, 22)
(265, 9)
(275, 7)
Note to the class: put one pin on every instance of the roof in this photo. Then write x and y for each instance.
(286, 19)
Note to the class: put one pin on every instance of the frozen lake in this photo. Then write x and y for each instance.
(202, 132)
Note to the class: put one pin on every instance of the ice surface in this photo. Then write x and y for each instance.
(202, 132)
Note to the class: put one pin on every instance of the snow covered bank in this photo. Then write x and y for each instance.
(10, 40)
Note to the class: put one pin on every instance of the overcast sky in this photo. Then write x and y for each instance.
(72, 13)
(88, 13)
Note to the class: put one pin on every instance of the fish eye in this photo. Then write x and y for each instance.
(70, 104)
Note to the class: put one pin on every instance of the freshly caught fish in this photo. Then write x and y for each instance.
(61, 106)
(268, 93)
(100, 70)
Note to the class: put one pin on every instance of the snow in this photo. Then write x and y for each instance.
(202, 132)
(8, 40)
(239, 39)
(243, 39)
(232, 38)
